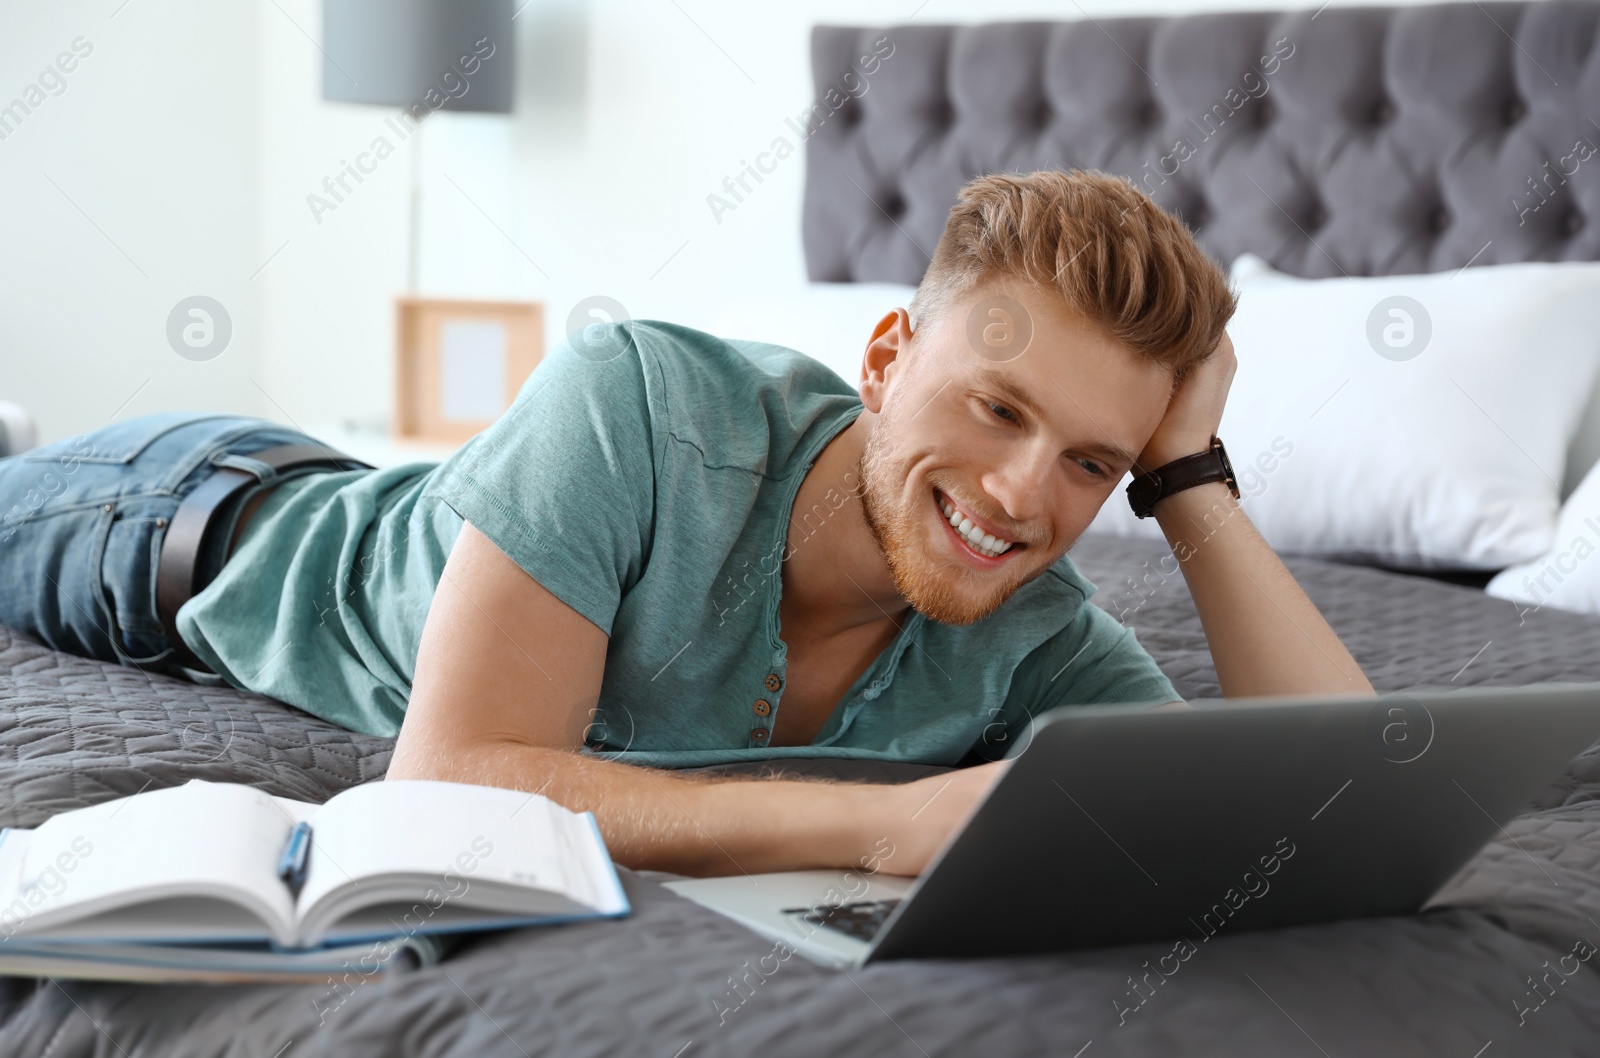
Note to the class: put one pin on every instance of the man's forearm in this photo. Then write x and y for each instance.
(659, 820)
(1266, 637)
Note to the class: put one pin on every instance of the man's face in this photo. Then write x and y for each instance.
(1025, 447)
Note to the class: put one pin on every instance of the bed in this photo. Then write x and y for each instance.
(1471, 976)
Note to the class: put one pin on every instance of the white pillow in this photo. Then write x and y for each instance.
(1418, 421)
(1567, 575)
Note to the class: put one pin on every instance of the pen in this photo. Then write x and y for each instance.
(296, 855)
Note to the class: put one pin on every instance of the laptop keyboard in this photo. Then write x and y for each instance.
(860, 920)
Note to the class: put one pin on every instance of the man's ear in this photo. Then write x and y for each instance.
(890, 342)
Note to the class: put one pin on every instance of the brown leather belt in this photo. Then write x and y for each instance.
(178, 574)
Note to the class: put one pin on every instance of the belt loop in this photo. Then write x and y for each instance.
(263, 472)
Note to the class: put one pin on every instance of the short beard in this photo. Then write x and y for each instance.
(932, 590)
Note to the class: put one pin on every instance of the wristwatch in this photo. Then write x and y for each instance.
(1199, 469)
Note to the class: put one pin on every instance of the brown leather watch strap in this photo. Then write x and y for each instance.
(1185, 473)
(178, 574)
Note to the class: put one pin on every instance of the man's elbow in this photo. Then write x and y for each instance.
(463, 760)
(486, 760)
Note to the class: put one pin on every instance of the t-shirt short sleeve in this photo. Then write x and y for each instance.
(1110, 665)
(1094, 660)
(564, 481)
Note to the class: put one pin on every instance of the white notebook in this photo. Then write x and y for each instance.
(198, 864)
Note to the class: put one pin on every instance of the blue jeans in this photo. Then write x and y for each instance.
(82, 522)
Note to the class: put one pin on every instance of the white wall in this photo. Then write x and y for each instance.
(195, 132)
(133, 188)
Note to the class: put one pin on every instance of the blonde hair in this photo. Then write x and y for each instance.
(1114, 256)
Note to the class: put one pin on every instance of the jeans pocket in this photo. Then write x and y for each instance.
(128, 562)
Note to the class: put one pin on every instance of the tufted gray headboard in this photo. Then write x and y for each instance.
(1359, 141)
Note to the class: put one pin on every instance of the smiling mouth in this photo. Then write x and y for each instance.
(982, 543)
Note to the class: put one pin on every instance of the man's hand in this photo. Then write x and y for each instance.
(919, 817)
(1195, 410)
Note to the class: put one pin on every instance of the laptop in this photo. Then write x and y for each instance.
(1122, 825)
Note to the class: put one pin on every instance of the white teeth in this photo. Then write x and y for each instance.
(982, 542)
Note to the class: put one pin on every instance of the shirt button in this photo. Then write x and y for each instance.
(774, 681)
(763, 707)
(759, 734)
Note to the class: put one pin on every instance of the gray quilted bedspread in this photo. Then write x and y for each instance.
(74, 732)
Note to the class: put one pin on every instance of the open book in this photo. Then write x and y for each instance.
(198, 864)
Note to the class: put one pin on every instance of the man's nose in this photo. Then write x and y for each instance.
(1022, 483)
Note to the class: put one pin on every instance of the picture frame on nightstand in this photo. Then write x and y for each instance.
(459, 364)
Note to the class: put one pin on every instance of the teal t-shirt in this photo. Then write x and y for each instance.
(647, 478)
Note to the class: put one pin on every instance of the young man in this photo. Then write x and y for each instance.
(675, 550)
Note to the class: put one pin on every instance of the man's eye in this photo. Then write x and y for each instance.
(1092, 467)
(1001, 411)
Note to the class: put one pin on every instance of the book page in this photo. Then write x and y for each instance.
(210, 839)
(297, 811)
(463, 839)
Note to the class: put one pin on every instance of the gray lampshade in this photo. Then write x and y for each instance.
(443, 54)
